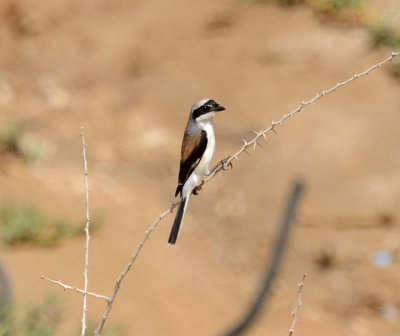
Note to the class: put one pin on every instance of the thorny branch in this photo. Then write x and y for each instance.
(299, 303)
(222, 165)
(87, 232)
(128, 267)
(74, 288)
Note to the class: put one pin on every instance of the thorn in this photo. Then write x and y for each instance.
(275, 123)
(245, 142)
(265, 137)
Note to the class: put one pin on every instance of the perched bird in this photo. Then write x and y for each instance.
(198, 147)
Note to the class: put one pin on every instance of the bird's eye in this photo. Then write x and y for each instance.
(205, 108)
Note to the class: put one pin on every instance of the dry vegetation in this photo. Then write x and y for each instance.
(128, 72)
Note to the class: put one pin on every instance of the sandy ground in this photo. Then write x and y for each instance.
(128, 71)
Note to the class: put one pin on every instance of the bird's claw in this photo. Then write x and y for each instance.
(196, 190)
(226, 164)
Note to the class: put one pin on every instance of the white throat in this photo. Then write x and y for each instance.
(205, 118)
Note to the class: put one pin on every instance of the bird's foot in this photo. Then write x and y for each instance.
(226, 164)
(196, 190)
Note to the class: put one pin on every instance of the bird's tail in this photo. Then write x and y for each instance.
(178, 220)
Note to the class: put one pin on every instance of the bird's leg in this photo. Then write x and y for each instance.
(196, 190)
(223, 164)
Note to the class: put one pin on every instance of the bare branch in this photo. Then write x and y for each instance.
(222, 165)
(281, 121)
(296, 309)
(128, 267)
(74, 288)
(87, 232)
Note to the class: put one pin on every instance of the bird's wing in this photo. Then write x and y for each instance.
(193, 148)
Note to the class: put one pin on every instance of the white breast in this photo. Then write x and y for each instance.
(204, 164)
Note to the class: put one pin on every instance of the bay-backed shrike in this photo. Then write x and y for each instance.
(198, 147)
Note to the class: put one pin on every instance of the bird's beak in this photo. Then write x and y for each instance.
(219, 108)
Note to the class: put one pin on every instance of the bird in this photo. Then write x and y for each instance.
(197, 151)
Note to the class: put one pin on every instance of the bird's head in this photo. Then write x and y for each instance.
(205, 109)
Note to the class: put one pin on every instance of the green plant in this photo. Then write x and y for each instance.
(336, 6)
(341, 11)
(290, 2)
(383, 34)
(280, 2)
(25, 223)
(10, 135)
(395, 69)
(38, 320)
(12, 142)
(43, 319)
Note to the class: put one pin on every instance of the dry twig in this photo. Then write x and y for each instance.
(87, 232)
(222, 165)
(296, 309)
(74, 288)
(128, 267)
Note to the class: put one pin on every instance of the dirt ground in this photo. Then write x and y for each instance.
(128, 71)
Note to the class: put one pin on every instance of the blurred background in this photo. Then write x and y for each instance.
(129, 71)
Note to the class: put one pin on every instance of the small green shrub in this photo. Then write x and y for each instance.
(43, 319)
(38, 320)
(280, 2)
(289, 2)
(395, 69)
(383, 34)
(337, 6)
(341, 11)
(22, 223)
(12, 142)
(10, 135)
